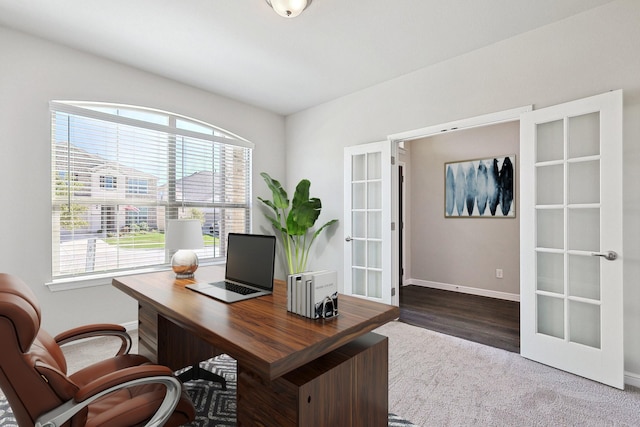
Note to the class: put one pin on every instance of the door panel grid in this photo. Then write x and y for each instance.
(366, 214)
(568, 212)
(571, 224)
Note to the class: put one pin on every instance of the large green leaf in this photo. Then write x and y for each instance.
(304, 211)
(323, 227)
(268, 203)
(301, 194)
(276, 223)
(280, 197)
(293, 227)
(305, 214)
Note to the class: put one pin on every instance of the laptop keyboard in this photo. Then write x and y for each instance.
(239, 289)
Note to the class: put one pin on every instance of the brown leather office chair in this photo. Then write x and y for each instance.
(125, 390)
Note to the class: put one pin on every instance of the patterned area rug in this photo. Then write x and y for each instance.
(214, 407)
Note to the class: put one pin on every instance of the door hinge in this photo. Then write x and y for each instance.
(393, 160)
(393, 226)
(393, 292)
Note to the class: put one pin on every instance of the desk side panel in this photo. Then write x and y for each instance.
(346, 387)
(328, 400)
(148, 332)
(371, 384)
(178, 348)
(265, 403)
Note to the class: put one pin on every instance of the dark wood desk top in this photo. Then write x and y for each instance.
(259, 333)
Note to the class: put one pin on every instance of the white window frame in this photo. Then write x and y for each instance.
(181, 128)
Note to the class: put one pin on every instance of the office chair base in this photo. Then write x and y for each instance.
(195, 372)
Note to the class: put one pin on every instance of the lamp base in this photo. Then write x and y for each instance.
(184, 263)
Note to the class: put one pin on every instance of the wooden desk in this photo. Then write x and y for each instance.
(291, 370)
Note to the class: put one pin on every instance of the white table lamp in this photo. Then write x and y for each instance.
(184, 235)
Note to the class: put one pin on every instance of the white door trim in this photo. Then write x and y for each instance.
(468, 123)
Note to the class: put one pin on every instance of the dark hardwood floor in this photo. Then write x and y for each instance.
(488, 321)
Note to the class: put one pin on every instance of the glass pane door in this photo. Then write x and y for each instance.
(366, 208)
(367, 221)
(568, 229)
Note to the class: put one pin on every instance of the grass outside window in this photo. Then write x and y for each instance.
(148, 240)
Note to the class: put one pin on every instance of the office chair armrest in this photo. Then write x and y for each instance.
(129, 377)
(97, 330)
(121, 376)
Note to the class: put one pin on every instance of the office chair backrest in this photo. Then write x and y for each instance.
(33, 370)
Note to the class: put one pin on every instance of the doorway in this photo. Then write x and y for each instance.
(475, 255)
(409, 172)
(451, 286)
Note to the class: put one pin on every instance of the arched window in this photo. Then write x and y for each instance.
(119, 172)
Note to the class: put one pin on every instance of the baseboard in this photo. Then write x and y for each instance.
(632, 379)
(464, 289)
(130, 326)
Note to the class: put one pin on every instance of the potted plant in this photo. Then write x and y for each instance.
(294, 221)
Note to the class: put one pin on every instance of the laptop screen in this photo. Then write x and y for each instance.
(250, 259)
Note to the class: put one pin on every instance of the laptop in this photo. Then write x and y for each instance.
(249, 269)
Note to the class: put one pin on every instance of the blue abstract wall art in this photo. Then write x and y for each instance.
(480, 188)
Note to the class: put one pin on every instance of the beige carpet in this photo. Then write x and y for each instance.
(439, 380)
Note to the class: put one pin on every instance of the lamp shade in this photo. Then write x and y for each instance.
(289, 8)
(183, 234)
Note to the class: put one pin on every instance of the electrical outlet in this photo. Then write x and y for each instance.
(499, 273)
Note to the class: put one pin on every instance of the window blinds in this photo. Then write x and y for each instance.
(119, 173)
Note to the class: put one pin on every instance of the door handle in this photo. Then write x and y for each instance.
(348, 239)
(609, 255)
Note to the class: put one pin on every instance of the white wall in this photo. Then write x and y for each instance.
(581, 56)
(32, 73)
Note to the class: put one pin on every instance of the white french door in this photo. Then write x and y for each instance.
(367, 221)
(571, 237)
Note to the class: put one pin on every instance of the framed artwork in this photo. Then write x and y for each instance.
(480, 188)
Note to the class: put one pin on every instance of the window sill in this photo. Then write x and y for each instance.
(70, 283)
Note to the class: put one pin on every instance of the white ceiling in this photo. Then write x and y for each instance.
(243, 50)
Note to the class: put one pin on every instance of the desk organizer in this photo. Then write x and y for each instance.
(313, 294)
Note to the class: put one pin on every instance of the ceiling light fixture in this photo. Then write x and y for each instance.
(289, 8)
